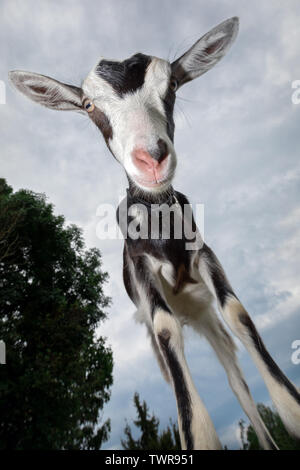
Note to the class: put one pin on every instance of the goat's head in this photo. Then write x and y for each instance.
(132, 103)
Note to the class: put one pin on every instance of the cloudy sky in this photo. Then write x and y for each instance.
(237, 140)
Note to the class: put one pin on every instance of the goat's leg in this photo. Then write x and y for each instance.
(195, 426)
(284, 394)
(225, 349)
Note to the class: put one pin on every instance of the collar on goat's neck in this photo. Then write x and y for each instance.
(134, 196)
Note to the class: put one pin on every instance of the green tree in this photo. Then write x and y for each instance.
(9, 217)
(274, 424)
(58, 370)
(150, 438)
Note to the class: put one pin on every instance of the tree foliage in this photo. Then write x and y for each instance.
(58, 372)
(274, 424)
(150, 438)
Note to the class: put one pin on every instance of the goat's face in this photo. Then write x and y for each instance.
(132, 103)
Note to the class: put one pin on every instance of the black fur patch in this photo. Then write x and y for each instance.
(144, 276)
(275, 371)
(222, 287)
(157, 301)
(169, 101)
(129, 285)
(127, 76)
(159, 152)
(181, 391)
(179, 73)
(103, 123)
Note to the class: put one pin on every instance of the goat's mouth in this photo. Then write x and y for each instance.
(153, 182)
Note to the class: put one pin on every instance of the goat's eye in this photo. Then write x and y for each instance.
(88, 105)
(173, 84)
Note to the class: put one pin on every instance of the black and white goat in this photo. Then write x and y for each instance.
(132, 103)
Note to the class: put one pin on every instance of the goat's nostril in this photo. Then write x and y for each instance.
(161, 151)
(144, 160)
(147, 164)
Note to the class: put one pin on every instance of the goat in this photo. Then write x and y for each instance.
(171, 283)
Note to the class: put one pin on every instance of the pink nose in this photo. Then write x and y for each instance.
(151, 161)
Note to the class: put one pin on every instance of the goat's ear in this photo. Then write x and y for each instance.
(47, 91)
(206, 52)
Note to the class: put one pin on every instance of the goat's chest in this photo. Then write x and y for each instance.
(184, 290)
